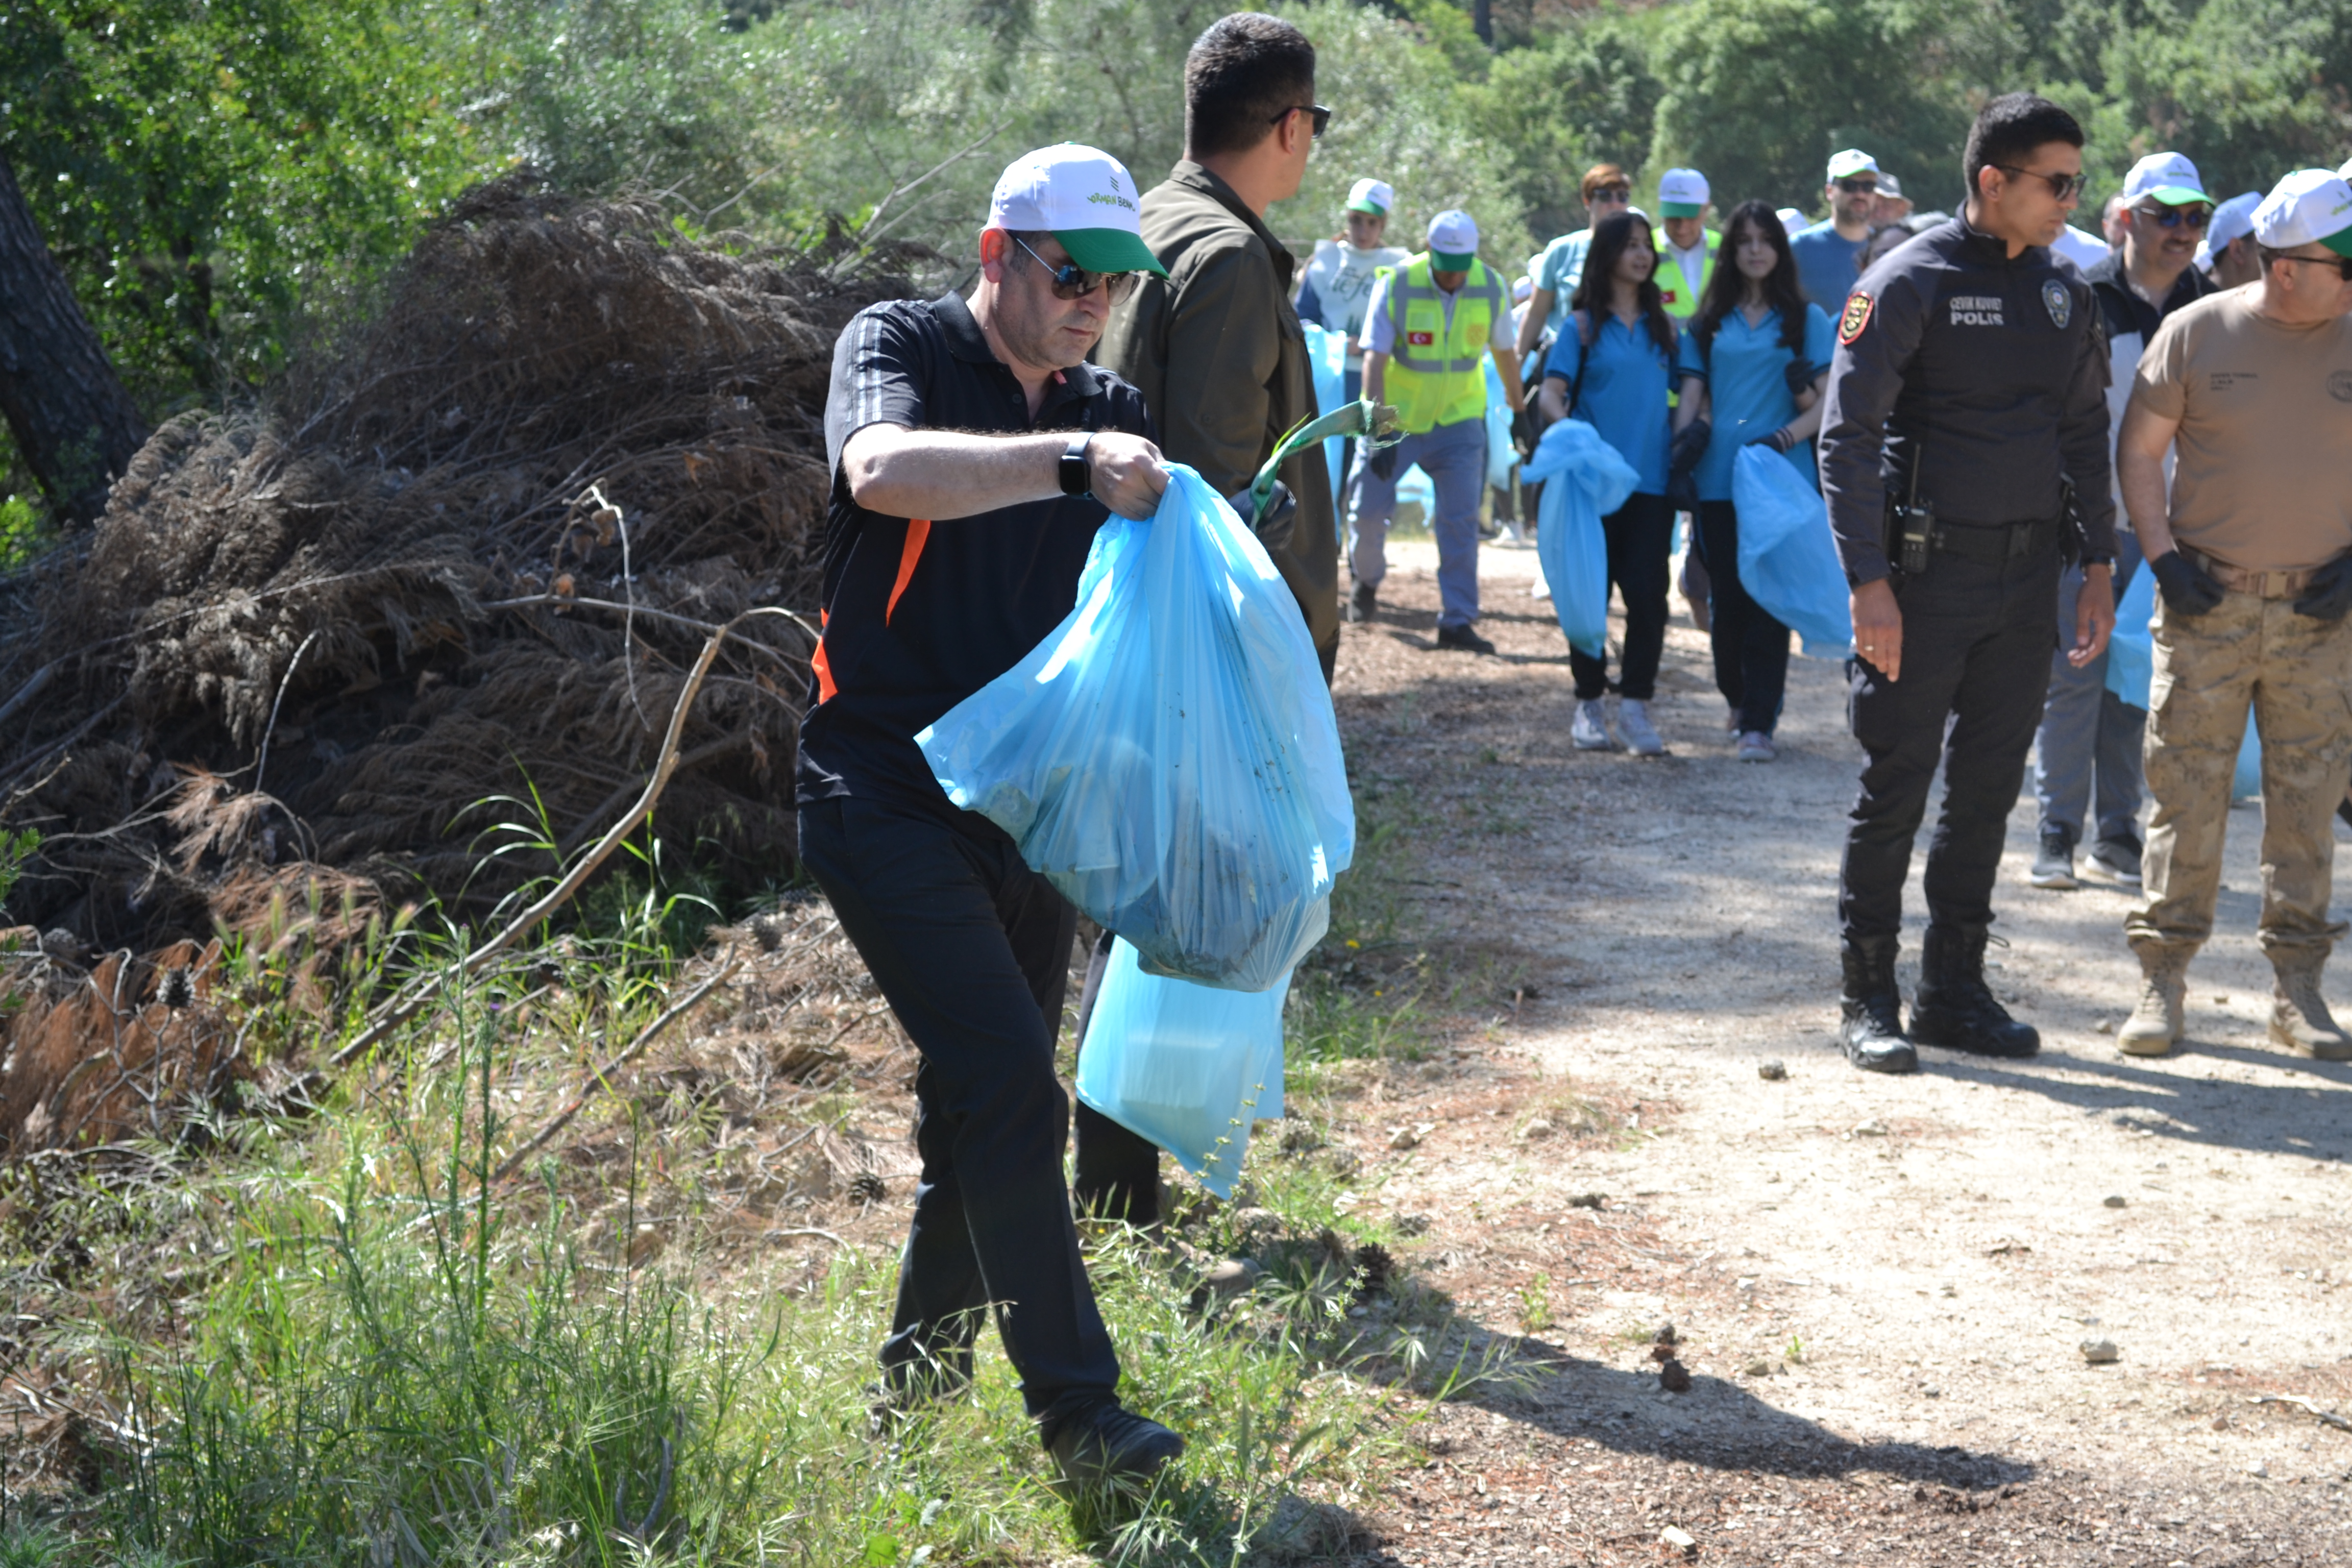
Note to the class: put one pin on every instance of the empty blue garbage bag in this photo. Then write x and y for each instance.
(2131, 652)
(1584, 478)
(1326, 351)
(1168, 757)
(1188, 1067)
(1787, 561)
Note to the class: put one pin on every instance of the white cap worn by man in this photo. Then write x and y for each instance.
(1084, 198)
(2250, 389)
(1829, 254)
(1337, 281)
(2229, 252)
(1685, 248)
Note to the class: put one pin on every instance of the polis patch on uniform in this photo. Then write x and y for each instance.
(2058, 301)
(1858, 306)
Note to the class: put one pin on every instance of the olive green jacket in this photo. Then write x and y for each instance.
(1220, 359)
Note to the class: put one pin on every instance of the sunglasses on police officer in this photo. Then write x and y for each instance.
(1076, 282)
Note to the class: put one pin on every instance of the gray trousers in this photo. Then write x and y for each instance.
(1454, 459)
(2090, 740)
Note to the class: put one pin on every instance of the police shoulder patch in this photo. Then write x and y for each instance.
(2059, 301)
(1858, 307)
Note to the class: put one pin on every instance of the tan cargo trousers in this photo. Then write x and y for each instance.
(2297, 674)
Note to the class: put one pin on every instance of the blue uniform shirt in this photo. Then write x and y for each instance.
(1748, 386)
(1624, 396)
(1985, 370)
(1825, 264)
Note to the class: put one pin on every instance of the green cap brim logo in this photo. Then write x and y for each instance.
(1109, 250)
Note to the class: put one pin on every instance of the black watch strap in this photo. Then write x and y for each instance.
(1076, 476)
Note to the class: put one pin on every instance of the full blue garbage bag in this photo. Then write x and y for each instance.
(1326, 351)
(1786, 562)
(1186, 1065)
(1168, 757)
(2131, 652)
(1500, 453)
(1584, 478)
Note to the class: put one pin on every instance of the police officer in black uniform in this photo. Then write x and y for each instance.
(1964, 453)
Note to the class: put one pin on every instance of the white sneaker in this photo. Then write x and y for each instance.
(1755, 746)
(1589, 731)
(1640, 735)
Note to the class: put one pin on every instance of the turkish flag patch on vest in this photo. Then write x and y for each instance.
(1421, 339)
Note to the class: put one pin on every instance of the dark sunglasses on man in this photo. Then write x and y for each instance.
(2343, 264)
(1322, 116)
(2060, 186)
(1075, 282)
(1611, 195)
(1863, 186)
(2173, 217)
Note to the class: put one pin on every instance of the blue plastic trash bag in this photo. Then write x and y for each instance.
(2246, 779)
(1500, 453)
(1168, 757)
(1584, 480)
(1328, 353)
(2131, 652)
(1787, 561)
(1186, 1065)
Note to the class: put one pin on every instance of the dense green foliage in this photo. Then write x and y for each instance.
(210, 172)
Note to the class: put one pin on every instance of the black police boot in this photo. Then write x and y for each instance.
(1871, 1027)
(1955, 1008)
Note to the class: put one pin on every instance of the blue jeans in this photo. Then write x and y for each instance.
(1454, 459)
(2090, 739)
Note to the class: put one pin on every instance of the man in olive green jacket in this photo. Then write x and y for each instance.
(1216, 349)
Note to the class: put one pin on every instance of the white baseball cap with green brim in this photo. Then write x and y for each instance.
(2310, 207)
(1452, 241)
(1852, 161)
(1682, 193)
(2165, 177)
(1082, 196)
(1372, 196)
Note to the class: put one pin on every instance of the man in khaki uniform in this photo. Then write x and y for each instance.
(1215, 347)
(2252, 389)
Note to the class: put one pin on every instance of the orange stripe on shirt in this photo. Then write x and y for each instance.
(919, 533)
(822, 665)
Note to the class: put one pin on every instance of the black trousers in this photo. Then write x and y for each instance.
(1638, 534)
(1976, 641)
(1750, 647)
(971, 949)
(1117, 1172)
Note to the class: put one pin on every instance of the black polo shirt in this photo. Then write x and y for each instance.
(919, 614)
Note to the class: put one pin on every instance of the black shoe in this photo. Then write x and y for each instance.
(1464, 639)
(1363, 603)
(1108, 1446)
(1870, 1024)
(2053, 863)
(2116, 861)
(1955, 1009)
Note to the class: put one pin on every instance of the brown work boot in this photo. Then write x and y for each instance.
(2155, 1024)
(2299, 1016)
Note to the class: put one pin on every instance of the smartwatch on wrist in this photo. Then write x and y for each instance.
(1076, 476)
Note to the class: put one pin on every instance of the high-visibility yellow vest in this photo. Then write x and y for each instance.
(1680, 294)
(1434, 376)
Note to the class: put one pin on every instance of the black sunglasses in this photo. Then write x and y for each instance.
(1858, 187)
(2060, 186)
(1076, 282)
(1322, 116)
(2343, 264)
(2173, 217)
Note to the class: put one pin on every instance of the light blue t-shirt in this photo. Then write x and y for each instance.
(1825, 264)
(1624, 396)
(1560, 267)
(1746, 374)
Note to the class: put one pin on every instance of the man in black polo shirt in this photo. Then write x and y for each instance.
(974, 454)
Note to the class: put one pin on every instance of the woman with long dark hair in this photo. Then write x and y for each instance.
(1755, 361)
(1611, 368)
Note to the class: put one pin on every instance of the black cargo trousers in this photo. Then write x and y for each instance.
(971, 949)
(1976, 641)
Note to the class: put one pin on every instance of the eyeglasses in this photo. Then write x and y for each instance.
(1610, 195)
(2061, 186)
(1321, 113)
(1076, 282)
(2343, 264)
(1859, 188)
(2173, 217)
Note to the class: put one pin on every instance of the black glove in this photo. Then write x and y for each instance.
(2187, 589)
(1799, 374)
(1523, 431)
(1778, 440)
(2330, 593)
(1689, 444)
(1274, 529)
(1382, 464)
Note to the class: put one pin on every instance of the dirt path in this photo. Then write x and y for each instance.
(1881, 1284)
